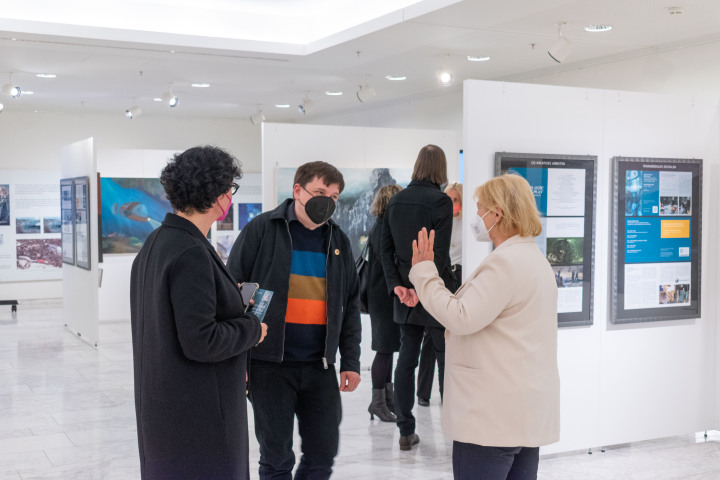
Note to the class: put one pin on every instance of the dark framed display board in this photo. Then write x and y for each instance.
(656, 239)
(82, 222)
(565, 192)
(67, 220)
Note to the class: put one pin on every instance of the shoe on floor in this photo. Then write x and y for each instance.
(423, 402)
(407, 442)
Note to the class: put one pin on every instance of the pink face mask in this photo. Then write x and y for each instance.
(226, 209)
(456, 208)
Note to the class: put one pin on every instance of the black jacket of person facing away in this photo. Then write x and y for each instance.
(190, 343)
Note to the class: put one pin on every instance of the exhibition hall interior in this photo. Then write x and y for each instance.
(610, 111)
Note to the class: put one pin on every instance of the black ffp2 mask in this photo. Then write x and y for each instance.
(319, 209)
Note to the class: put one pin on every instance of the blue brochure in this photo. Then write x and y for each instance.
(262, 302)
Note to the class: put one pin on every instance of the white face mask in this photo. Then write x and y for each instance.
(482, 234)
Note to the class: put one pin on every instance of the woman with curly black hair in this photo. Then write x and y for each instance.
(189, 331)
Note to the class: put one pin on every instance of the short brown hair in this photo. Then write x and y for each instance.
(513, 195)
(329, 175)
(431, 165)
(382, 198)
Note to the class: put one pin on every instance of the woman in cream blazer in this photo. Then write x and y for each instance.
(502, 388)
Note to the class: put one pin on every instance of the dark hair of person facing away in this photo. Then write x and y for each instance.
(382, 198)
(431, 165)
(329, 175)
(195, 178)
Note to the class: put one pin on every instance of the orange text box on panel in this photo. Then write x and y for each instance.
(675, 229)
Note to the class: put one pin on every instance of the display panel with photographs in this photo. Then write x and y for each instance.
(67, 219)
(82, 222)
(656, 239)
(564, 189)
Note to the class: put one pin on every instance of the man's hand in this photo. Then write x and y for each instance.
(263, 332)
(401, 293)
(349, 381)
(412, 299)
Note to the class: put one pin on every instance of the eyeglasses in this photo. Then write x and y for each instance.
(234, 187)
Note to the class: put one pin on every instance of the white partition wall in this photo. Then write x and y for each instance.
(618, 383)
(80, 286)
(285, 145)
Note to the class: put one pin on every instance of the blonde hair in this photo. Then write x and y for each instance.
(382, 198)
(512, 195)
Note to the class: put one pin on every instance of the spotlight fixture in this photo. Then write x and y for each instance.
(257, 117)
(446, 79)
(133, 112)
(562, 47)
(169, 98)
(306, 106)
(11, 90)
(2, 107)
(365, 92)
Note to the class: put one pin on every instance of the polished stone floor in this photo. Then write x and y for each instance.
(66, 412)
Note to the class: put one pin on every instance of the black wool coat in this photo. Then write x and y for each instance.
(385, 332)
(190, 338)
(421, 204)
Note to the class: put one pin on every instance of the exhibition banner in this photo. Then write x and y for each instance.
(564, 187)
(656, 239)
(30, 226)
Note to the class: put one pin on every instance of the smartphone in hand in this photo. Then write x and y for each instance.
(247, 291)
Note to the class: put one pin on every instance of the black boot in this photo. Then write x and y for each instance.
(390, 397)
(379, 408)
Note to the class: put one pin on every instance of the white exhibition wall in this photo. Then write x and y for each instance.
(618, 383)
(20, 131)
(79, 286)
(285, 145)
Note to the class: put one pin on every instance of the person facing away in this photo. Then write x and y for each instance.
(190, 335)
(502, 395)
(426, 369)
(385, 332)
(300, 254)
(421, 204)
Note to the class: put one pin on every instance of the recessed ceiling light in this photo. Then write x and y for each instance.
(28, 92)
(396, 78)
(200, 85)
(157, 99)
(333, 94)
(282, 105)
(598, 28)
(45, 75)
(475, 58)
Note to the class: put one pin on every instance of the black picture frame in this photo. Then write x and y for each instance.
(565, 188)
(67, 220)
(82, 222)
(656, 239)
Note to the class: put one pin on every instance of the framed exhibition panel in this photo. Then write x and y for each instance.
(67, 220)
(656, 231)
(565, 193)
(82, 222)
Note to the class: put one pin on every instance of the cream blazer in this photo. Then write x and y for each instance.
(502, 387)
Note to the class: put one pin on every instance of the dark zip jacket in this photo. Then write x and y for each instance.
(262, 253)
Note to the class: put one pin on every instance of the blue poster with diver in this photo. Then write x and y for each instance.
(131, 209)
(642, 193)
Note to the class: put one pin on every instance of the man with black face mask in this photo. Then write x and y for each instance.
(301, 255)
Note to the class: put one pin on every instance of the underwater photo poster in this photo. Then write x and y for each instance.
(131, 208)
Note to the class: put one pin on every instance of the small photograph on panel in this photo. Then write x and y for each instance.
(564, 251)
(28, 225)
(246, 212)
(685, 206)
(39, 254)
(633, 193)
(225, 242)
(4, 204)
(568, 276)
(52, 225)
(669, 205)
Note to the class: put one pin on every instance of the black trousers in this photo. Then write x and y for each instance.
(477, 462)
(426, 370)
(410, 341)
(278, 393)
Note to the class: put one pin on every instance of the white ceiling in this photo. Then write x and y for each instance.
(106, 70)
